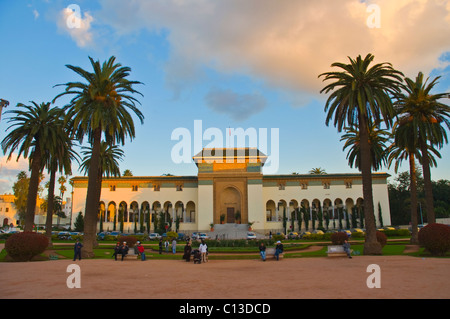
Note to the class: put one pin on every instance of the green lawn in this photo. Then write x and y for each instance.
(293, 249)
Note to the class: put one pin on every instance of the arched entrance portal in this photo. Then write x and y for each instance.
(231, 205)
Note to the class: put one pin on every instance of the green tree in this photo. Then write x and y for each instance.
(79, 222)
(20, 190)
(429, 117)
(361, 96)
(100, 106)
(33, 134)
(377, 141)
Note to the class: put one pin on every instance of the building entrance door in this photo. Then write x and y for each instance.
(230, 214)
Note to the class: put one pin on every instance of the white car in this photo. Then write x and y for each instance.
(203, 236)
(251, 236)
(154, 236)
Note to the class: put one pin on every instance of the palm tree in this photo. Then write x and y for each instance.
(377, 139)
(317, 171)
(109, 156)
(100, 107)
(406, 147)
(58, 158)
(3, 104)
(33, 135)
(360, 97)
(427, 115)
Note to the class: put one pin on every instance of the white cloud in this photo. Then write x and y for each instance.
(287, 44)
(71, 20)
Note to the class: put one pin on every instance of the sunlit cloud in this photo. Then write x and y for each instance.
(71, 21)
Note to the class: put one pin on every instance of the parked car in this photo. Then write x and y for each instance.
(251, 235)
(293, 235)
(305, 233)
(114, 233)
(181, 236)
(101, 236)
(203, 236)
(64, 235)
(154, 236)
(194, 236)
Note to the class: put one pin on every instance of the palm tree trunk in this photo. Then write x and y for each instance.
(371, 244)
(92, 198)
(33, 189)
(50, 201)
(413, 189)
(431, 217)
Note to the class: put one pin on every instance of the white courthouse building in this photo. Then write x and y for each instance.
(231, 181)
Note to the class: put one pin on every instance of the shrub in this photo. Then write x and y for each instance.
(131, 240)
(435, 238)
(24, 246)
(278, 237)
(358, 234)
(338, 238)
(381, 238)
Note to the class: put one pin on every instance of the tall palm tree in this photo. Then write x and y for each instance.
(377, 139)
(58, 158)
(428, 115)
(33, 134)
(100, 107)
(406, 147)
(361, 96)
(109, 166)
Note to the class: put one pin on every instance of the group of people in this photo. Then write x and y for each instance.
(202, 250)
(166, 245)
(278, 250)
(122, 249)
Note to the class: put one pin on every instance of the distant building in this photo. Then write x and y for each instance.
(232, 189)
(8, 213)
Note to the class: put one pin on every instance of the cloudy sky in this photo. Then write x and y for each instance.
(250, 64)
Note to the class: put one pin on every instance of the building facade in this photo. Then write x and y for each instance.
(231, 188)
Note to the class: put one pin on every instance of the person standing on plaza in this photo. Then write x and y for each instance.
(77, 250)
(160, 246)
(166, 245)
(203, 250)
(262, 251)
(141, 251)
(187, 252)
(174, 246)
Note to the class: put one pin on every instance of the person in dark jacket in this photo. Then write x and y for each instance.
(278, 249)
(117, 250)
(160, 246)
(187, 252)
(124, 249)
(77, 250)
(262, 251)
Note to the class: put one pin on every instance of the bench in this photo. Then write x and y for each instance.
(271, 252)
(337, 251)
(129, 257)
